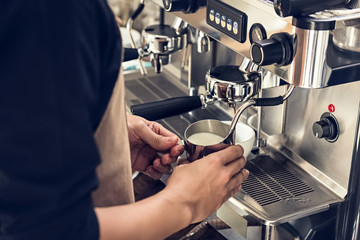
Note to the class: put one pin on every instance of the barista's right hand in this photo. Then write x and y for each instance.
(204, 185)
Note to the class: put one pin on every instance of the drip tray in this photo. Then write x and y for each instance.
(277, 191)
(269, 182)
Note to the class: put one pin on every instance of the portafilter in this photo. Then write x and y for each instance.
(158, 41)
(223, 83)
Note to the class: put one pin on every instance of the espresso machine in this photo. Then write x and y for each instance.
(304, 167)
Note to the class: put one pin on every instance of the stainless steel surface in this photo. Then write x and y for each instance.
(268, 232)
(322, 178)
(236, 90)
(313, 74)
(346, 32)
(279, 191)
(268, 80)
(251, 229)
(156, 43)
(309, 69)
(233, 219)
(266, 187)
(197, 64)
(296, 177)
(203, 43)
(349, 211)
(159, 41)
(195, 151)
(289, 91)
(158, 61)
(276, 113)
(230, 136)
(153, 87)
(180, 25)
(129, 27)
(339, 15)
(259, 141)
(326, 190)
(257, 11)
(348, 38)
(304, 108)
(264, 14)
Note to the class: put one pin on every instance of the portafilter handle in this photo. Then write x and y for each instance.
(130, 54)
(169, 107)
(285, 8)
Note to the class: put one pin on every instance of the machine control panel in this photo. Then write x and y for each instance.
(227, 19)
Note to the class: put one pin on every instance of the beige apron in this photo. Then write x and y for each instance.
(114, 172)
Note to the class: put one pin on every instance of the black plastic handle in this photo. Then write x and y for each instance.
(286, 8)
(137, 11)
(269, 101)
(166, 108)
(130, 54)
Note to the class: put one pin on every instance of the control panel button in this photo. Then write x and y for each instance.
(223, 21)
(212, 15)
(217, 18)
(229, 24)
(235, 27)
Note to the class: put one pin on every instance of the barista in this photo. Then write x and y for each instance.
(61, 111)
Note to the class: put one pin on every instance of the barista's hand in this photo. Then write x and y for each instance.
(204, 185)
(147, 140)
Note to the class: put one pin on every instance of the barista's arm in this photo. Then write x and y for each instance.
(152, 218)
(192, 193)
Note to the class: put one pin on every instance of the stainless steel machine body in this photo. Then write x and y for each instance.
(309, 68)
(305, 179)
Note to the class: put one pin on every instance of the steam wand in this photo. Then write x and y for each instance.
(129, 26)
(230, 138)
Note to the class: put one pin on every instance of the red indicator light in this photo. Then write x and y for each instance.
(331, 108)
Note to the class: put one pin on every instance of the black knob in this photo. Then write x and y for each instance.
(177, 5)
(286, 8)
(186, 6)
(326, 128)
(278, 49)
(322, 129)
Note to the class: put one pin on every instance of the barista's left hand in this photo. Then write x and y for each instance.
(147, 140)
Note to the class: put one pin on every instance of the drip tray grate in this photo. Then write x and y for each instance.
(269, 182)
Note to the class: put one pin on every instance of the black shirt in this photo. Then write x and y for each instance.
(59, 60)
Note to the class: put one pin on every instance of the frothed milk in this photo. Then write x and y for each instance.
(205, 139)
